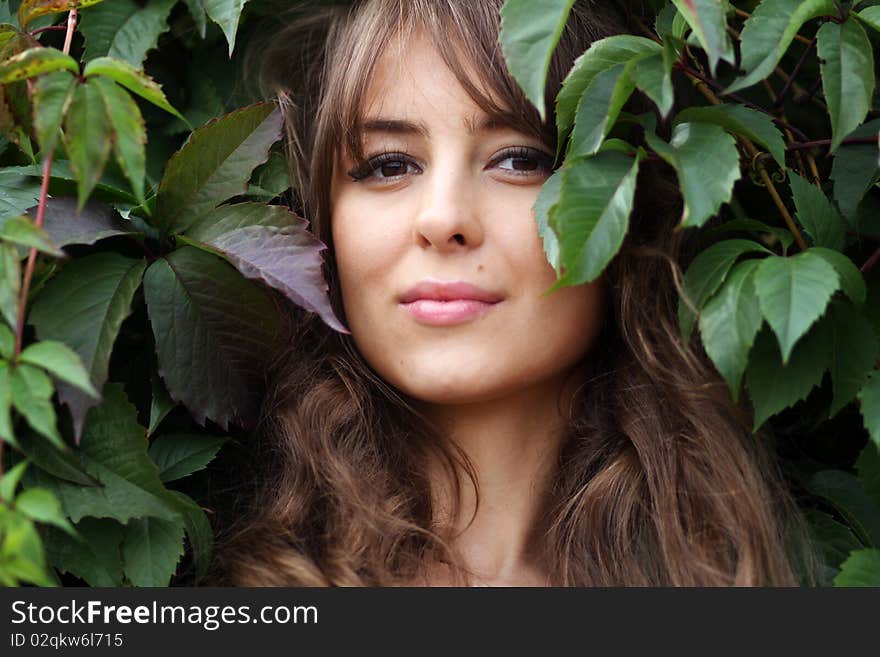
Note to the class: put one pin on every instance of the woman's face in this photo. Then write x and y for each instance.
(442, 270)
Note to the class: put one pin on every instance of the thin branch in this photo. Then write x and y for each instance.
(694, 74)
(41, 210)
(818, 143)
(871, 262)
(780, 99)
(747, 15)
(50, 28)
(754, 153)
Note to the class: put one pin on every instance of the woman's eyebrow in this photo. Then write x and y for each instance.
(394, 126)
(403, 127)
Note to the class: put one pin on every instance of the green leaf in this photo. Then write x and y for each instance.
(52, 95)
(226, 13)
(31, 9)
(544, 206)
(7, 342)
(31, 392)
(213, 330)
(97, 559)
(706, 274)
(847, 60)
(129, 132)
(271, 179)
(272, 245)
(602, 55)
(530, 30)
(21, 550)
(83, 306)
(598, 109)
(40, 505)
(592, 216)
(9, 480)
(769, 32)
(180, 454)
(35, 61)
(729, 323)
(851, 280)
(113, 450)
(794, 293)
(653, 75)
(869, 396)
(60, 464)
(844, 492)
(820, 219)
(136, 81)
(60, 361)
(88, 135)
(853, 352)
(199, 532)
(870, 16)
(740, 120)
(160, 404)
(151, 549)
(6, 432)
(216, 164)
(21, 230)
(125, 29)
(861, 569)
(854, 170)
(774, 385)
(113, 188)
(10, 283)
(706, 161)
(96, 221)
(708, 20)
(17, 193)
(836, 540)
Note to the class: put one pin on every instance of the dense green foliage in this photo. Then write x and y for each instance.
(137, 284)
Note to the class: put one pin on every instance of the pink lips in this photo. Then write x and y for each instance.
(446, 304)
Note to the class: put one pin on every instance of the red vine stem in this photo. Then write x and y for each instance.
(41, 211)
(50, 28)
(871, 262)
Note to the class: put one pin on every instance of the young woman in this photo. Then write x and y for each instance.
(472, 429)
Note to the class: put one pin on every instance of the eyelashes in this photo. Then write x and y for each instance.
(383, 167)
(377, 163)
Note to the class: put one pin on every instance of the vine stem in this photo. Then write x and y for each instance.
(827, 142)
(871, 262)
(41, 211)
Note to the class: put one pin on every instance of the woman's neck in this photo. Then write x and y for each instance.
(513, 444)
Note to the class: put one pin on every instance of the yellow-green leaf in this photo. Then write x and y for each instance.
(31, 9)
(35, 61)
(133, 79)
(129, 131)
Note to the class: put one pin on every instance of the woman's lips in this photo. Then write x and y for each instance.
(446, 303)
(446, 313)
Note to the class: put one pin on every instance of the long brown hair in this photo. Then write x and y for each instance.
(660, 481)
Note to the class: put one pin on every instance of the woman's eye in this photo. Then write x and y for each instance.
(384, 167)
(523, 161)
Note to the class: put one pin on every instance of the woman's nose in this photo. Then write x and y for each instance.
(448, 216)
